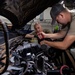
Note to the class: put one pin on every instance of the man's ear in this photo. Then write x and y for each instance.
(61, 15)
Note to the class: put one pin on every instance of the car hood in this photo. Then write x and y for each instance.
(19, 12)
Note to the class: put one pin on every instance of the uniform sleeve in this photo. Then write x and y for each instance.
(33, 33)
(46, 31)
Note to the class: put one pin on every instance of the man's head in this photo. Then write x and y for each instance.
(38, 27)
(60, 14)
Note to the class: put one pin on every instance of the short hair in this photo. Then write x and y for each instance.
(37, 23)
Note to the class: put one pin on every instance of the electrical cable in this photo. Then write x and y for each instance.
(6, 38)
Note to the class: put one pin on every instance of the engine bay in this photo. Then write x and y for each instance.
(23, 56)
(30, 58)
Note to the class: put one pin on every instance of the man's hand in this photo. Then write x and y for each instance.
(43, 34)
(29, 36)
(43, 42)
(40, 36)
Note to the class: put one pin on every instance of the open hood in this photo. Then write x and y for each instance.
(19, 12)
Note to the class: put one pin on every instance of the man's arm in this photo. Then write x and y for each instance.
(63, 45)
(30, 35)
(58, 35)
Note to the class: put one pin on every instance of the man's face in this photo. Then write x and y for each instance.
(38, 28)
(62, 18)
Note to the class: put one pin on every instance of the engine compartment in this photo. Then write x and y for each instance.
(28, 58)
(24, 57)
